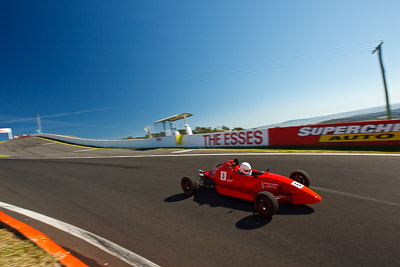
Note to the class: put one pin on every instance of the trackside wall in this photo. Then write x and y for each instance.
(365, 133)
(248, 138)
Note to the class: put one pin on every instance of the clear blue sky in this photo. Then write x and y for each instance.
(106, 69)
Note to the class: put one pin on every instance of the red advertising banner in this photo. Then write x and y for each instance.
(382, 132)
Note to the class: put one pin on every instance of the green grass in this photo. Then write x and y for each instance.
(18, 252)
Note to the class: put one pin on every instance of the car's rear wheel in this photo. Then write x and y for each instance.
(301, 177)
(266, 204)
(189, 185)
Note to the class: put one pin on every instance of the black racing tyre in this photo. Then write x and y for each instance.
(301, 177)
(189, 185)
(266, 204)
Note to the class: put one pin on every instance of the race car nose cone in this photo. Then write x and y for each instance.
(317, 198)
(314, 198)
(305, 196)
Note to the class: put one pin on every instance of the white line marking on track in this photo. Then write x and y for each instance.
(223, 154)
(183, 151)
(122, 253)
(354, 196)
(229, 154)
(83, 150)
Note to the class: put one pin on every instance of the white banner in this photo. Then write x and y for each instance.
(248, 138)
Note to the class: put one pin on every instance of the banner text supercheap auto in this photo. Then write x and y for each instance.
(374, 132)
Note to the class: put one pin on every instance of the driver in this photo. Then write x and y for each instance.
(245, 168)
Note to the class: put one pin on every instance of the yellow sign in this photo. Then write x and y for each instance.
(179, 139)
(364, 137)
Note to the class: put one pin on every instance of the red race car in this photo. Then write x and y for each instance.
(266, 189)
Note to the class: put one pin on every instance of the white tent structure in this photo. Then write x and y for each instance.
(7, 130)
(180, 116)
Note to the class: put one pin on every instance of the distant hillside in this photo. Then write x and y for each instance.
(367, 117)
(375, 113)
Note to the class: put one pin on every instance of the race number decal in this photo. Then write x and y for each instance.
(297, 184)
(223, 176)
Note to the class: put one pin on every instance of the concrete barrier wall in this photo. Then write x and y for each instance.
(248, 138)
(365, 133)
(129, 143)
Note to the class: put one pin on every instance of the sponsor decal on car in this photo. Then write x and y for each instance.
(268, 186)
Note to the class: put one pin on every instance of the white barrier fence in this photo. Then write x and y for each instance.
(248, 138)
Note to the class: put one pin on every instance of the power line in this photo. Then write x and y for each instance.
(251, 68)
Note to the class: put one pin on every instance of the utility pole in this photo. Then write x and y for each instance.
(39, 124)
(379, 49)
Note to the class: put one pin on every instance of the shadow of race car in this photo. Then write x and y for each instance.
(265, 189)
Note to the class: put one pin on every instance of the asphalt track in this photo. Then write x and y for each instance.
(133, 198)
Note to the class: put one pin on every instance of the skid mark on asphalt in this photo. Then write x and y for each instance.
(122, 253)
(355, 196)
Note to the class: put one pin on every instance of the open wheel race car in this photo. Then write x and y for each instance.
(266, 189)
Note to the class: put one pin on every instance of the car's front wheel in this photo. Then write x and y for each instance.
(189, 185)
(266, 204)
(301, 177)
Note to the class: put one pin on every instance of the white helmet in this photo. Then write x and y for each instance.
(245, 168)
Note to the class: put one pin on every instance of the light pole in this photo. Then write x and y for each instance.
(379, 49)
